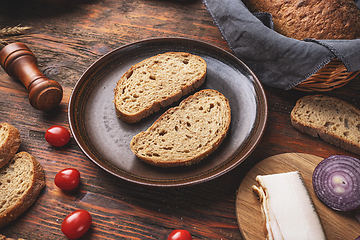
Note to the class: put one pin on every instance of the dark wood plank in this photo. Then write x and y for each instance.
(67, 37)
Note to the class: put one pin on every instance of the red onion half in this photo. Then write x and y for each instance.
(336, 182)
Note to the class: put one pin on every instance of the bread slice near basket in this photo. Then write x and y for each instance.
(333, 120)
(157, 82)
(187, 133)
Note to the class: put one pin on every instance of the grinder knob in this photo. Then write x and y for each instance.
(19, 62)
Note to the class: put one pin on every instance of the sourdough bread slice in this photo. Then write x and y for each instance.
(9, 142)
(21, 181)
(157, 82)
(185, 134)
(333, 120)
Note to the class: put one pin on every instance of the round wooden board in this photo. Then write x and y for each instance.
(337, 225)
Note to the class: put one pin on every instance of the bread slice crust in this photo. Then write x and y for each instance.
(333, 120)
(187, 133)
(21, 181)
(9, 142)
(157, 82)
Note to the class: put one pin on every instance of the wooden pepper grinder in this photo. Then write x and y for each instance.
(20, 63)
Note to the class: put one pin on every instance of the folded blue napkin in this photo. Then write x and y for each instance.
(277, 61)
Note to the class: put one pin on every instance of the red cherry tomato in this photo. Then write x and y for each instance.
(179, 234)
(67, 179)
(76, 224)
(57, 136)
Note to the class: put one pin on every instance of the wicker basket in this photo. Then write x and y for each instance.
(331, 76)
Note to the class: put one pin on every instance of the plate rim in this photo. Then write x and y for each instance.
(191, 179)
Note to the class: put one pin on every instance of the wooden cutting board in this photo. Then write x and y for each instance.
(337, 225)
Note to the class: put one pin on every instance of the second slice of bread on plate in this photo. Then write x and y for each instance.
(21, 181)
(157, 82)
(9, 142)
(185, 134)
(333, 120)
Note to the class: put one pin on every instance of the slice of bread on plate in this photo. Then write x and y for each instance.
(187, 133)
(333, 120)
(9, 142)
(21, 181)
(157, 82)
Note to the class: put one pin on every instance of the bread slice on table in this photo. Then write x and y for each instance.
(21, 181)
(9, 142)
(333, 120)
(185, 134)
(157, 82)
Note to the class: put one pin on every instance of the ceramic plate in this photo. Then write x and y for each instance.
(105, 139)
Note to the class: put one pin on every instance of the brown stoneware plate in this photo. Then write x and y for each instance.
(105, 139)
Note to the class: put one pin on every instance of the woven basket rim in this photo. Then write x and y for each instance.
(331, 76)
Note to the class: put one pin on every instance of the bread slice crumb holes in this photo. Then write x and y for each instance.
(333, 120)
(185, 134)
(157, 82)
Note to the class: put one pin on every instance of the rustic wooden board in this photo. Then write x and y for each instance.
(337, 225)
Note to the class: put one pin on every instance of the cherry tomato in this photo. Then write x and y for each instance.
(179, 234)
(67, 179)
(76, 224)
(57, 136)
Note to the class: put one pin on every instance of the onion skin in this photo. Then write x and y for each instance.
(336, 182)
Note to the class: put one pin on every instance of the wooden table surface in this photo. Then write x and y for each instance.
(67, 37)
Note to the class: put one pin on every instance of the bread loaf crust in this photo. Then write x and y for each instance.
(9, 142)
(185, 134)
(25, 199)
(319, 19)
(333, 120)
(157, 82)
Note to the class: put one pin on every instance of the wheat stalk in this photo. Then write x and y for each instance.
(2, 44)
(12, 31)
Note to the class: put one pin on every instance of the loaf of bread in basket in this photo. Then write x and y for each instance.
(315, 19)
(319, 19)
